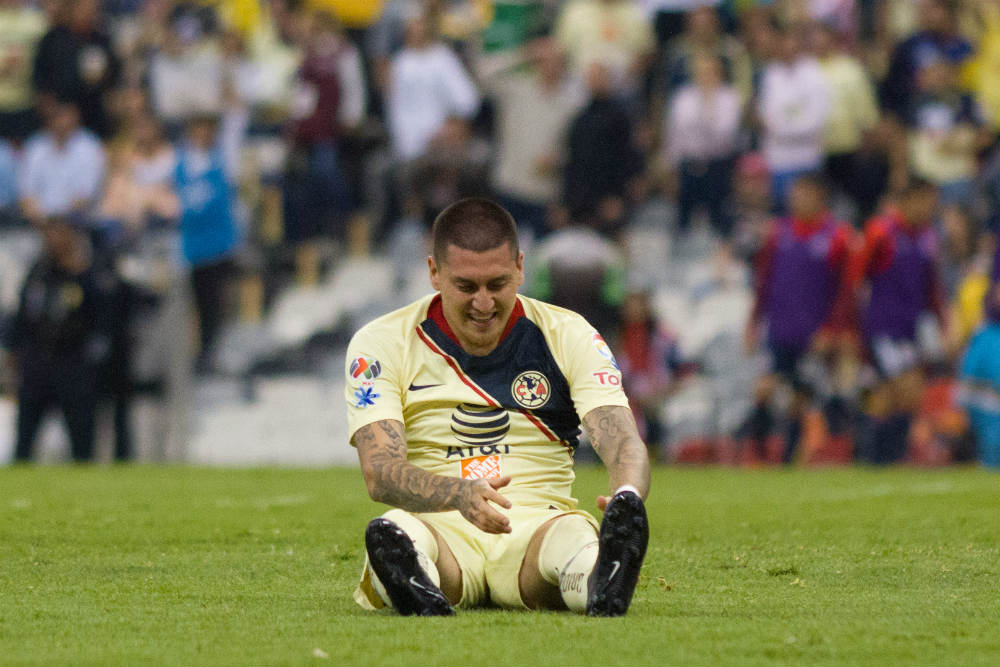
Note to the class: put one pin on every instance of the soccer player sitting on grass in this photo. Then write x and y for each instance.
(465, 409)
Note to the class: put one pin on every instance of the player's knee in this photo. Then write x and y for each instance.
(416, 530)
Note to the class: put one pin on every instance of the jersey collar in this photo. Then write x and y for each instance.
(435, 313)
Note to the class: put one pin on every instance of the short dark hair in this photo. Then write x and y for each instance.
(475, 224)
(814, 179)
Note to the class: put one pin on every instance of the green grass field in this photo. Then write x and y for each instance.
(181, 566)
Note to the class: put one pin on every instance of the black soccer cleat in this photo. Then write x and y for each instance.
(623, 539)
(393, 557)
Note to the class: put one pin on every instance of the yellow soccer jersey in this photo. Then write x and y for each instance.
(515, 411)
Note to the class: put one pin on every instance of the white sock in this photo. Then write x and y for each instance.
(567, 557)
(423, 541)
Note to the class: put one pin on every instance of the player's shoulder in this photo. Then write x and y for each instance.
(553, 319)
(394, 327)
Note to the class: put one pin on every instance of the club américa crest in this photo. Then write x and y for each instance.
(531, 390)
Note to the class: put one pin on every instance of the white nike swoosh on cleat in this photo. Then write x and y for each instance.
(417, 584)
(617, 565)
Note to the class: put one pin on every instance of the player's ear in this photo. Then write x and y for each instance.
(435, 274)
(520, 267)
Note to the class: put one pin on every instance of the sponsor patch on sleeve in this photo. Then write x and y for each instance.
(604, 349)
(365, 369)
(481, 467)
(365, 396)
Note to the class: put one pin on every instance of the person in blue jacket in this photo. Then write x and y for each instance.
(210, 234)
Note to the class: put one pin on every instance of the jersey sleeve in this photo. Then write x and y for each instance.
(595, 380)
(372, 371)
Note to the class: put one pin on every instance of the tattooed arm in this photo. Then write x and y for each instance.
(393, 480)
(616, 440)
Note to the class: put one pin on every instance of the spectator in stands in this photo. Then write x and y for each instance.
(454, 166)
(139, 190)
(614, 33)
(577, 268)
(76, 61)
(703, 36)
(794, 106)
(802, 295)
(649, 361)
(898, 267)
(63, 166)
(534, 108)
(22, 25)
(937, 41)
(853, 163)
(210, 236)
(702, 138)
(946, 132)
(428, 84)
(186, 73)
(8, 182)
(330, 100)
(602, 163)
(61, 337)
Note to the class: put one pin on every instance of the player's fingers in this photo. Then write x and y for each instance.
(499, 482)
(493, 496)
(492, 521)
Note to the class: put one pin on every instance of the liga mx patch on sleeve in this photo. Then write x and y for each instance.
(365, 369)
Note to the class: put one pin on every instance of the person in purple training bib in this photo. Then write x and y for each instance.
(801, 300)
(897, 279)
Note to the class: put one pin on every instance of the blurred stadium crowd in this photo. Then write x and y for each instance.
(781, 214)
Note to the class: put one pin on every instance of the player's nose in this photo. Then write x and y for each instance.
(482, 301)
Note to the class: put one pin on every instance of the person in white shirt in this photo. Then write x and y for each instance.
(702, 140)
(534, 108)
(794, 105)
(63, 167)
(428, 84)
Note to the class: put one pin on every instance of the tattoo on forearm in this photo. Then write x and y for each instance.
(614, 437)
(397, 482)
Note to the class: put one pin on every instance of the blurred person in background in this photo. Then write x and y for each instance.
(602, 163)
(76, 61)
(139, 190)
(936, 41)
(649, 360)
(534, 107)
(896, 271)
(616, 34)
(803, 297)
(330, 101)
(427, 85)
(210, 235)
(703, 37)
(63, 166)
(702, 140)
(853, 161)
(186, 71)
(22, 25)
(793, 107)
(454, 166)
(946, 131)
(8, 183)
(61, 337)
(980, 374)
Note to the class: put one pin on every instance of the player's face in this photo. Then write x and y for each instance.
(478, 293)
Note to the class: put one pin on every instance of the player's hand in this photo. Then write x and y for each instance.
(602, 502)
(474, 505)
